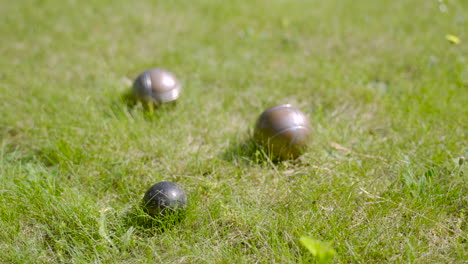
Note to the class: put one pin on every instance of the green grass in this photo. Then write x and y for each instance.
(384, 180)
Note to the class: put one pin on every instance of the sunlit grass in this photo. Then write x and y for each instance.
(383, 181)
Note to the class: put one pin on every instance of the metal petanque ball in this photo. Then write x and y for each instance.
(284, 131)
(156, 86)
(164, 198)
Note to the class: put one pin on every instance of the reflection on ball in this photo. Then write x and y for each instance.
(156, 86)
(284, 131)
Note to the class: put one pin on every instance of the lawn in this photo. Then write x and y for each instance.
(384, 179)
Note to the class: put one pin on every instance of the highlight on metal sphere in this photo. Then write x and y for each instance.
(156, 86)
(284, 131)
(164, 198)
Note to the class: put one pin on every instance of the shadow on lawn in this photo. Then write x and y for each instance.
(247, 151)
(150, 225)
(126, 105)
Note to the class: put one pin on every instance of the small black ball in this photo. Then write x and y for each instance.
(164, 198)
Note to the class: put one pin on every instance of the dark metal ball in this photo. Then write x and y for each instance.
(156, 86)
(284, 131)
(164, 198)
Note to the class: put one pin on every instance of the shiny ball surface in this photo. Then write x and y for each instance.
(156, 86)
(284, 131)
(164, 198)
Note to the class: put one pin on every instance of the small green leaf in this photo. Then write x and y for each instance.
(321, 250)
(453, 39)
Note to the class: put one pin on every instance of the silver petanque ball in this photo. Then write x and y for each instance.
(284, 131)
(156, 86)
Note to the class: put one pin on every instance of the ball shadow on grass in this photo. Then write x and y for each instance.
(248, 151)
(127, 105)
(150, 225)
